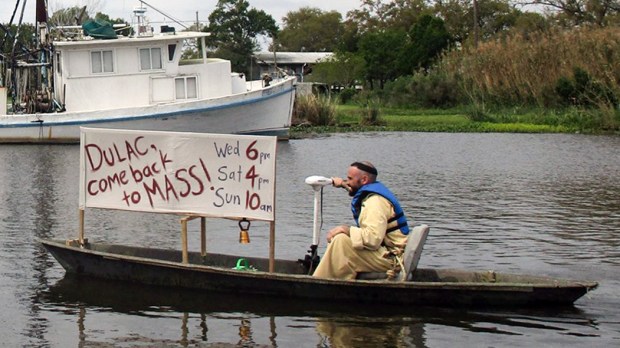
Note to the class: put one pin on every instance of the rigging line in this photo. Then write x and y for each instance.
(14, 11)
(165, 14)
(7, 33)
(19, 25)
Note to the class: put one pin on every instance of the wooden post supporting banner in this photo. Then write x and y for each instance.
(184, 238)
(81, 227)
(272, 231)
(272, 246)
(203, 236)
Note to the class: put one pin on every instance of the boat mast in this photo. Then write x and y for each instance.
(26, 70)
(42, 88)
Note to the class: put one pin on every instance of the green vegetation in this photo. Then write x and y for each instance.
(426, 66)
(349, 118)
(234, 27)
(556, 81)
(313, 110)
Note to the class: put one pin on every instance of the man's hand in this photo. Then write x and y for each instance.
(340, 182)
(336, 230)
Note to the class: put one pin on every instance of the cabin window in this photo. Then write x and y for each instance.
(171, 49)
(186, 87)
(101, 62)
(150, 58)
(58, 64)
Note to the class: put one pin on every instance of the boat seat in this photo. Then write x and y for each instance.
(411, 256)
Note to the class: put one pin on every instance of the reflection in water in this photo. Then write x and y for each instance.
(191, 317)
(370, 332)
(245, 333)
(30, 183)
(336, 327)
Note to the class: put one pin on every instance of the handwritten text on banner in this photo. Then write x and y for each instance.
(170, 172)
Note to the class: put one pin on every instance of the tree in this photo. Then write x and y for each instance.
(234, 29)
(342, 70)
(496, 17)
(25, 44)
(493, 17)
(530, 23)
(311, 30)
(377, 15)
(578, 12)
(75, 15)
(381, 54)
(383, 14)
(428, 38)
(69, 16)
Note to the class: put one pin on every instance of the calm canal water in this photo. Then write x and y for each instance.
(539, 204)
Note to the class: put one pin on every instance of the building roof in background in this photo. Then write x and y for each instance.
(292, 57)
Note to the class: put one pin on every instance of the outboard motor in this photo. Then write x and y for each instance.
(310, 261)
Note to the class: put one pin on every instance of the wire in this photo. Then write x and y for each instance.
(321, 225)
(165, 14)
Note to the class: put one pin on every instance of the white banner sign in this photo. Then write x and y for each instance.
(230, 176)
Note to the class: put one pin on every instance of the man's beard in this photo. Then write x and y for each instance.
(353, 191)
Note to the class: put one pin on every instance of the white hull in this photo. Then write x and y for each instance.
(263, 112)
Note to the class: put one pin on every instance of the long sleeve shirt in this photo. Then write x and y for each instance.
(373, 223)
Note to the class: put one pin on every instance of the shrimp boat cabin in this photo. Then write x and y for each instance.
(169, 189)
(141, 81)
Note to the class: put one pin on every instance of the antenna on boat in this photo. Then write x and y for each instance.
(142, 26)
(317, 182)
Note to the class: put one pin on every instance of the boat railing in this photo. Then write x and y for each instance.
(194, 61)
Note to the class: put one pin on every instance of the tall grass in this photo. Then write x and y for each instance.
(553, 81)
(314, 110)
(519, 70)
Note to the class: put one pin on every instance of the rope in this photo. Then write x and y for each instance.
(397, 263)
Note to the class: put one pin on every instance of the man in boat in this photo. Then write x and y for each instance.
(379, 236)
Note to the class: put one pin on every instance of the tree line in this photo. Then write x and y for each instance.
(431, 52)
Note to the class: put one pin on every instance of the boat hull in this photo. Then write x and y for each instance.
(266, 111)
(447, 288)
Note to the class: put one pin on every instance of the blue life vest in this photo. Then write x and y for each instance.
(380, 189)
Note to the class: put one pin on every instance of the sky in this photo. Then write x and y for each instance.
(184, 10)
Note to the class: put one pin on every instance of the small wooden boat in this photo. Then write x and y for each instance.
(216, 272)
(111, 178)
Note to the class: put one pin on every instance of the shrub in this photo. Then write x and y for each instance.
(423, 90)
(371, 116)
(316, 111)
(583, 90)
(346, 95)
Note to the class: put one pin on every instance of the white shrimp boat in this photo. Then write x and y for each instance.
(140, 82)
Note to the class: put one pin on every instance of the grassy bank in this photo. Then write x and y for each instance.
(352, 118)
(551, 81)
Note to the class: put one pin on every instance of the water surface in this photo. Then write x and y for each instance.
(539, 204)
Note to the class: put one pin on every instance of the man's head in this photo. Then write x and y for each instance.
(360, 174)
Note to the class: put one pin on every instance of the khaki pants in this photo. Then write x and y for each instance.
(342, 261)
